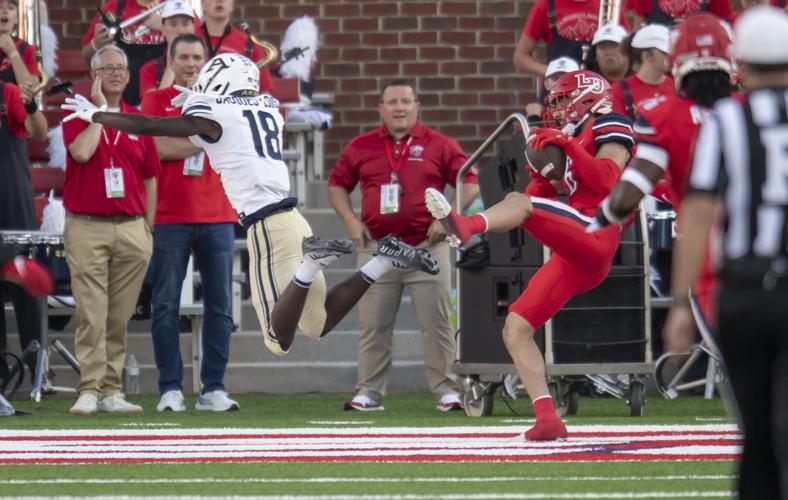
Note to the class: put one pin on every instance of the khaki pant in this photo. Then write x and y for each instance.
(107, 260)
(274, 245)
(377, 310)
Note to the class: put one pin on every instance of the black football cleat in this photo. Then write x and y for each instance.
(324, 252)
(406, 256)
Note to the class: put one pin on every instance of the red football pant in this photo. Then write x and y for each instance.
(580, 260)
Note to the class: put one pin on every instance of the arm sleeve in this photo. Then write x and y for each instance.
(537, 25)
(619, 102)
(615, 128)
(344, 172)
(152, 166)
(198, 105)
(454, 159)
(29, 57)
(71, 130)
(151, 106)
(147, 78)
(15, 110)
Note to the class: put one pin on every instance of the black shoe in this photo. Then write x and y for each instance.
(324, 252)
(405, 256)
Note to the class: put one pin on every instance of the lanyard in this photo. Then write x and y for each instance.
(111, 146)
(402, 155)
(211, 49)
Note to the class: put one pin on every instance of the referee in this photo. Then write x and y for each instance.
(741, 162)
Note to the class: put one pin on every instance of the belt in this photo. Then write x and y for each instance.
(277, 208)
(105, 218)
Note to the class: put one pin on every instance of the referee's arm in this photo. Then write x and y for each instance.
(695, 220)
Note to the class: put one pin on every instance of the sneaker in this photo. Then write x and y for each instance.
(449, 402)
(440, 208)
(362, 403)
(324, 252)
(405, 256)
(216, 401)
(550, 429)
(172, 401)
(117, 403)
(85, 405)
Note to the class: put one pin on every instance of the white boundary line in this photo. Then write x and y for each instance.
(328, 480)
(460, 496)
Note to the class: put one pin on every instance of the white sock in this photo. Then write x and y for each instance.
(486, 222)
(306, 273)
(375, 268)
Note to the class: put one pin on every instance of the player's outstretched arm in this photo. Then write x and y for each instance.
(181, 126)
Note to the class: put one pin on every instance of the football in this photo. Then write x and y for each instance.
(551, 162)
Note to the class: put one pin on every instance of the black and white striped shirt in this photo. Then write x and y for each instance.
(742, 156)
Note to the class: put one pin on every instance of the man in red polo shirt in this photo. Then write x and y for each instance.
(110, 201)
(394, 164)
(221, 37)
(192, 213)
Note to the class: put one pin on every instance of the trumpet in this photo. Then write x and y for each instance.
(271, 52)
(609, 13)
(115, 27)
(30, 31)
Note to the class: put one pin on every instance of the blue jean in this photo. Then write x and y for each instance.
(213, 247)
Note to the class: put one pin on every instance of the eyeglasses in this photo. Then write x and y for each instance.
(108, 70)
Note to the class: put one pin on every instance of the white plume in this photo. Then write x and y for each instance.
(299, 49)
(49, 44)
(56, 149)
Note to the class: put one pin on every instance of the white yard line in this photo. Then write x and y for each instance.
(322, 480)
(463, 496)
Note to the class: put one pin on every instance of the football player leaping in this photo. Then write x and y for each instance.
(241, 132)
(597, 144)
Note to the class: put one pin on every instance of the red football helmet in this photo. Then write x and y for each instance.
(578, 94)
(701, 43)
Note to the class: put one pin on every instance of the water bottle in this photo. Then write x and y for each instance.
(131, 380)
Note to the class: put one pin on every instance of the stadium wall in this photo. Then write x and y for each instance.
(458, 52)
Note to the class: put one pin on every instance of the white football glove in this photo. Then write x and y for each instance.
(82, 108)
(179, 100)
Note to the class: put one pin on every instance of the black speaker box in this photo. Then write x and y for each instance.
(485, 296)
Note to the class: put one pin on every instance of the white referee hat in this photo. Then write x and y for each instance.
(761, 36)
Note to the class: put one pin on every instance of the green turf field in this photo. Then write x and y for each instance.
(482, 479)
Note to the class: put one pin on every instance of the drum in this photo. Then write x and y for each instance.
(48, 249)
(661, 229)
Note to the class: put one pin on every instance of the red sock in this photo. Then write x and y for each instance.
(476, 223)
(544, 409)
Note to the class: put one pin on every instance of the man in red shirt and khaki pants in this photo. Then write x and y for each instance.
(394, 164)
(110, 201)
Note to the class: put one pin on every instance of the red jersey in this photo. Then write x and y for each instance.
(130, 9)
(681, 8)
(666, 135)
(14, 110)
(575, 20)
(609, 128)
(640, 93)
(84, 191)
(28, 54)
(186, 199)
(236, 41)
(423, 158)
